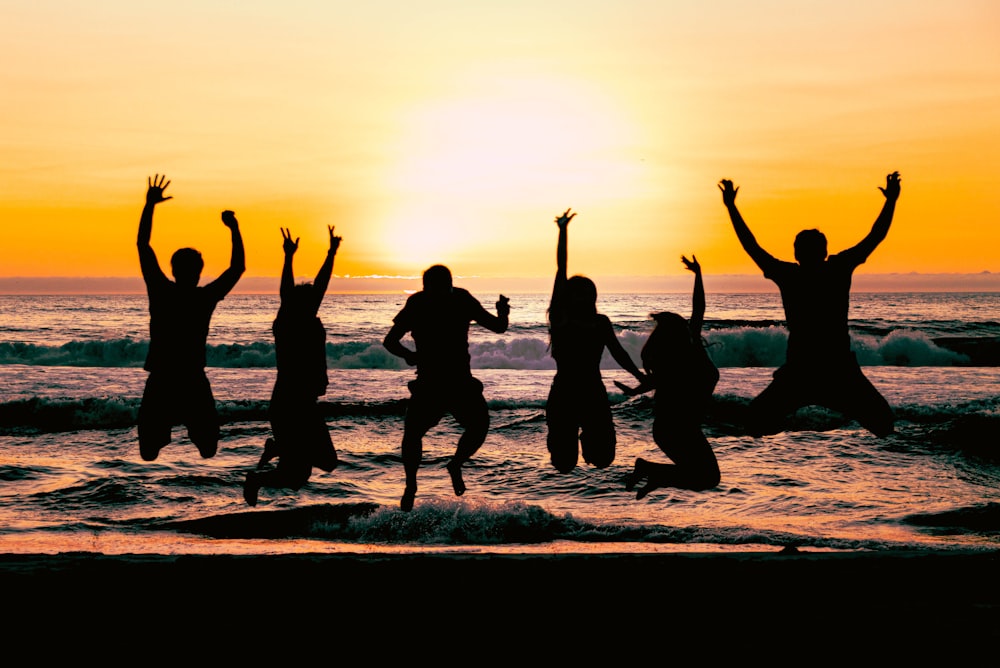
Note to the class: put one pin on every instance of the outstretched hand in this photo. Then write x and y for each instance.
(626, 390)
(155, 187)
(288, 245)
(645, 386)
(692, 264)
(503, 306)
(728, 192)
(563, 220)
(334, 240)
(229, 219)
(891, 190)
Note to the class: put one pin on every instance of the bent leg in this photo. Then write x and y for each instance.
(291, 473)
(323, 453)
(473, 415)
(421, 415)
(563, 431)
(270, 452)
(282, 418)
(859, 400)
(597, 430)
(768, 410)
(201, 416)
(639, 471)
(695, 466)
(155, 418)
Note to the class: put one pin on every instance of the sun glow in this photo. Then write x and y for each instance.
(465, 163)
(455, 132)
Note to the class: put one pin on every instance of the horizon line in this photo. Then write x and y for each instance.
(984, 281)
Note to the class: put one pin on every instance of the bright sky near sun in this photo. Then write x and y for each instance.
(455, 131)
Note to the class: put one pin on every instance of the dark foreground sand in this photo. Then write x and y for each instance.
(487, 604)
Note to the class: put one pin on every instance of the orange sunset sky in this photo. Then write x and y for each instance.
(454, 131)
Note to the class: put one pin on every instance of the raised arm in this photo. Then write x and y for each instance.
(697, 297)
(562, 251)
(326, 269)
(760, 257)
(288, 247)
(237, 260)
(562, 254)
(496, 323)
(154, 195)
(881, 226)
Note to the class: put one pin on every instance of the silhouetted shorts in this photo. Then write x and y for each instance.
(302, 436)
(578, 416)
(841, 387)
(169, 400)
(461, 398)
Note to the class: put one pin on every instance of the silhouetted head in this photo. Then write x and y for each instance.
(301, 301)
(186, 265)
(437, 279)
(581, 295)
(669, 340)
(810, 247)
(672, 331)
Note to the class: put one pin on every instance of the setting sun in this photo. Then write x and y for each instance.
(467, 165)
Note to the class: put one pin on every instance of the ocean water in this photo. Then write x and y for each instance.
(71, 478)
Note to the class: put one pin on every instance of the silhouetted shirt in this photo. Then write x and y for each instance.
(816, 302)
(300, 354)
(179, 318)
(685, 379)
(577, 345)
(439, 325)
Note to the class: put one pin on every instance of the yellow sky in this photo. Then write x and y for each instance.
(454, 131)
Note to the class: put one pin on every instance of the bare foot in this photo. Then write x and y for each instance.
(650, 485)
(409, 494)
(455, 471)
(251, 486)
(637, 474)
(270, 452)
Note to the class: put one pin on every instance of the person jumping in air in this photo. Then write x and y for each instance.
(438, 319)
(301, 439)
(177, 390)
(683, 378)
(577, 411)
(820, 368)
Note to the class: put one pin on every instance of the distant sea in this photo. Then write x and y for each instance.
(71, 378)
(981, 281)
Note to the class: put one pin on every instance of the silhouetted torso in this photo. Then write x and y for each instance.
(685, 379)
(439, 325)
(179, 320)
(577, 346)
(300, 354)
(816, 300)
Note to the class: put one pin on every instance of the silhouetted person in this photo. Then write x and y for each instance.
(820, 367)
(438, 319)
(301, 439)
(683, 378)
(177, 389)
(578, 412)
